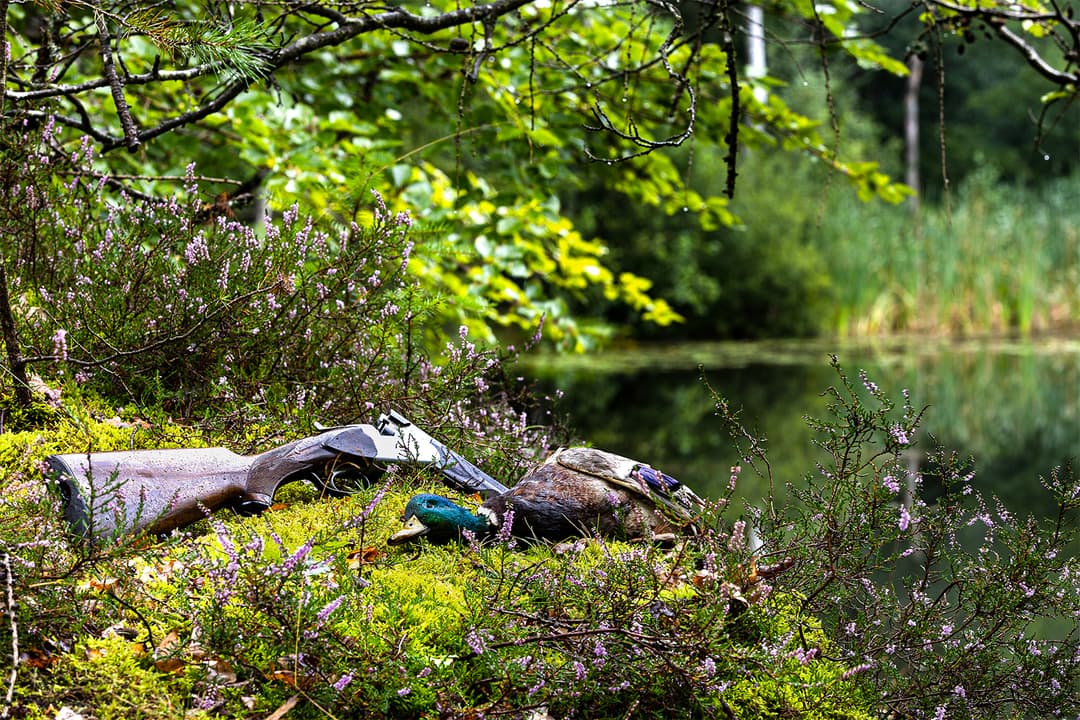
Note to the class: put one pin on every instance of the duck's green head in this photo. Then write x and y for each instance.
(437, 519)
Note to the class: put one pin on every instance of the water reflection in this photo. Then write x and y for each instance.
(1013, 406)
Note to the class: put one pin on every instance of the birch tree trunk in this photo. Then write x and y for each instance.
(911, 129)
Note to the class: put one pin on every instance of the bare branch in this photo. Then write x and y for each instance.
(682, 84)
(9, 606)
(1034, 59)
(108, 70)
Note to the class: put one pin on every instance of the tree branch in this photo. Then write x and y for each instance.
(395, 18)
(1034, 59)
(997, 16)
(108, 70)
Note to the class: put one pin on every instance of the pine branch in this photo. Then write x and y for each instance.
(240, 47)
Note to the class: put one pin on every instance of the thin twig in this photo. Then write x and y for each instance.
(108, 69)
(9, 586)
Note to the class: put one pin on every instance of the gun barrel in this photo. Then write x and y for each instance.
(459, 472)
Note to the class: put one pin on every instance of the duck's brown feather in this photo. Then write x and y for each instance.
(583, 491)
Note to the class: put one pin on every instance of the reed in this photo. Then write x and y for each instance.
(1006, 259)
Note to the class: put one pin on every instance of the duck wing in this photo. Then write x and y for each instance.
(664, 491)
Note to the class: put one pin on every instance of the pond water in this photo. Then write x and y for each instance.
(1012, 405)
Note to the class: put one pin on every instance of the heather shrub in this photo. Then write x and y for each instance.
(947, 603)
(298, 602)
(877, 589)
(172, 305)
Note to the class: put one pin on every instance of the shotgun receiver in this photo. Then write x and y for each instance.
(109, 494)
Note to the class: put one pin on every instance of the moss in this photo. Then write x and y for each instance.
(107, 679)
(40, 414)
(808, 685)
(398, 631)
(806, 696)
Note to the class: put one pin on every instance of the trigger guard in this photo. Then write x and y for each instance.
(254, 504)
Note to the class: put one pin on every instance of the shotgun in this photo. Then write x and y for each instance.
(109, 494)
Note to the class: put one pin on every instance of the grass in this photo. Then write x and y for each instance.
(1005, 260)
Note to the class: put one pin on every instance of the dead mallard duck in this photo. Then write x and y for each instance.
(576, 492)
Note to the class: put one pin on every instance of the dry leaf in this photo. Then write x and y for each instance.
(104, 584)
(284, 670)
(222, 670)
(37, 658)
(165, 652)
(115, 421)
(169, 643)
(172, 665)
(362, 556)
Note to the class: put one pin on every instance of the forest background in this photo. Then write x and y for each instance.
(223, 223)
(527, 216)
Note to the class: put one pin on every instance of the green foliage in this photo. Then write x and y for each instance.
(439, 124)
(520, 263)
(761, 278)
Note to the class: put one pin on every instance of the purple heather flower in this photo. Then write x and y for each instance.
(804, 656)
(290, 564)
(504, 535)
(735, 470)
(868, 383)
(475, 642)
(905, 518)
(341, 682)
(327, 611)
(891, 484)
(60, 344)
(737, 541)
(856, 670)
(539, 334)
